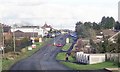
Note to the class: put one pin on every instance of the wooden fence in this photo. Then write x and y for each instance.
(113, 57)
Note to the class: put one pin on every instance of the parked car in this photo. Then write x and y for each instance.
(51, 35)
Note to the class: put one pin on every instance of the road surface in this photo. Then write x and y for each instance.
(44, 59)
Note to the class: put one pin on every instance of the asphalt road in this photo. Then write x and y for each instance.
(44, 59)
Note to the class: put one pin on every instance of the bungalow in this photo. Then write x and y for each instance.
(112, 34)
(27, 31)
(108, 32)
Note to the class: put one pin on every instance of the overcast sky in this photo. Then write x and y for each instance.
(58, 13)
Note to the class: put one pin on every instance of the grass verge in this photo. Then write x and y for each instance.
(6, 64)
(103, 65)
(62, 55)
(66, 47)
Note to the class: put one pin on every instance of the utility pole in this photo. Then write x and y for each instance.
(33, 37)
(14, 39)
(1, 45)
(3, 41)
(33, 32)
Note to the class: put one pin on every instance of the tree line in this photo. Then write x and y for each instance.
(106, 23)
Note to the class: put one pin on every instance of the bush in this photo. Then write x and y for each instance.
(23, 50)
(8, 45)
(36, 39)
(119, 64)
(21, 43)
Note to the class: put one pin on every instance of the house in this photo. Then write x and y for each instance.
(113, 38)
(27, 31)
(7, 31)
(41, 32)
(5, 34)
(46, 28)
(24, 32)
(111, 34)
(108, 32)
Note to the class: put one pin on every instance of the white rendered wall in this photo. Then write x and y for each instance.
(89, 58)
(96, 58)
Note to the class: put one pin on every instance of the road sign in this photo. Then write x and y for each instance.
(67, 40)
(54, 43)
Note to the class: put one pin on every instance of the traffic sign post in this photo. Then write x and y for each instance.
(67, 40)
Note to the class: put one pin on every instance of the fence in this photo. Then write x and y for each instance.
(113, 57)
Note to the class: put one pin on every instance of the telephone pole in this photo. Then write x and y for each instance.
(14, 38)
(1, 47)
(3, 41)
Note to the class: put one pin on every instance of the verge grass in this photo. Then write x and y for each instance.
(103, 65)
(61, 56)
(66, 47)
